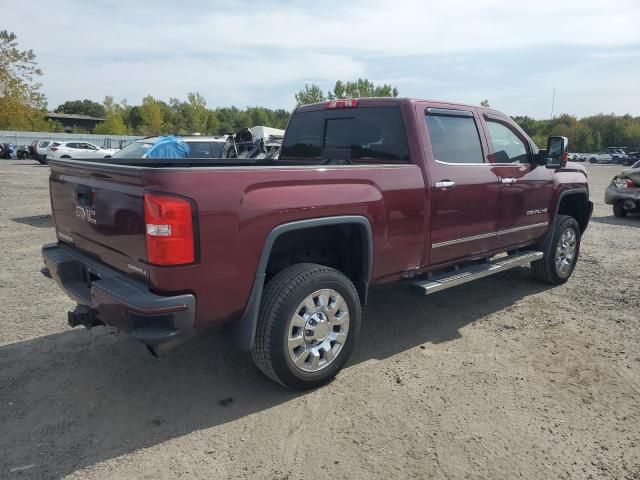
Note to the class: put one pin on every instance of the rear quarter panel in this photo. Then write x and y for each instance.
(238, 207)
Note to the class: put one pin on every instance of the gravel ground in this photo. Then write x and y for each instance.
(498, 379)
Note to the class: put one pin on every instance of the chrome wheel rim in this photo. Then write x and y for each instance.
(566, 252)
(318, 330)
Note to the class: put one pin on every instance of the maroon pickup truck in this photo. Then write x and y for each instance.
(281, 252)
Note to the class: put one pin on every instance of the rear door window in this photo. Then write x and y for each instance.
(454, 139)
(359, 135)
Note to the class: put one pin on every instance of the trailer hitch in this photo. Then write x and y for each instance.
(83, 315)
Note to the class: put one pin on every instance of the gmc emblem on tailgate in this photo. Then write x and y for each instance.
(86, 214)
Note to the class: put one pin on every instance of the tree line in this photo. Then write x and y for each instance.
(24, 107)
(156, 117)
(588, 134)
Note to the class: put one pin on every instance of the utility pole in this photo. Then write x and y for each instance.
(553, 102)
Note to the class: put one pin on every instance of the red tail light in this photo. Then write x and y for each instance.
(169, 230)
(347, 103)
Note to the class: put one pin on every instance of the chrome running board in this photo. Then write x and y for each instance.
(473, 272)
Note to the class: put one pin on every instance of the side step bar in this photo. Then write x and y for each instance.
(473, 272)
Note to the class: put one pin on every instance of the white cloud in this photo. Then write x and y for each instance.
(261, 52)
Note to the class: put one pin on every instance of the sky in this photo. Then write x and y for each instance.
(260, 53)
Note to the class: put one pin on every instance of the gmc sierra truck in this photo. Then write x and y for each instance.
(281, 252)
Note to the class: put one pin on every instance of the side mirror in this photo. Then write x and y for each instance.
(557, 152)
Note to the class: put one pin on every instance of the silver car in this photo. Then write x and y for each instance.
(624, 192)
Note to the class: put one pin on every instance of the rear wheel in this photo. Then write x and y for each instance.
(560, 252)
(619, 210)
(308, 326)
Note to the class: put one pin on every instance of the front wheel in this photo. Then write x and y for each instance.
(560, 252)
(308, 326)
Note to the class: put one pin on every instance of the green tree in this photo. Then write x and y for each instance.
(310, 94)
(485, 103)
(82, 107)
(361, 88)
(21, 103)
(114, 121)
(196, 113)
(151, 116)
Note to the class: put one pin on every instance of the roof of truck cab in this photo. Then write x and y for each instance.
(389, 101)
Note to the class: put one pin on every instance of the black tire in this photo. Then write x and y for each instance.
(593, 160)
(282, 296)
(545, 269)
(618, 209)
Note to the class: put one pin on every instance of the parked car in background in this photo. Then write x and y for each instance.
(624, 192)
(632, 158)
(199, 146)
(23, 152)
(602, 158)
(40, 150)
(6, 150)
(578, 157)
(79, 150)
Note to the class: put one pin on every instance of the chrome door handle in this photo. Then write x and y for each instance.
(509, 181)
(446, 184)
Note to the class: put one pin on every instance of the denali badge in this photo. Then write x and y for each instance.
(537, 211)
(86, 214)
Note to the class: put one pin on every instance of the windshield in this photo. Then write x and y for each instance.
(361, 134)
(134, 150)
(636, 165)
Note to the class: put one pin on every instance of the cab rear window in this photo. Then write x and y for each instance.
(362, 135)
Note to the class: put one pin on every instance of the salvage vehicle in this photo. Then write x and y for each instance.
(82, 150)
(255, 142)
(281, 252)
(200, 146)
(624, 192)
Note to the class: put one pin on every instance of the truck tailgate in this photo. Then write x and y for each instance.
(99, 209)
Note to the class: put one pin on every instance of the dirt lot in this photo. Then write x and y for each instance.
(499, 379)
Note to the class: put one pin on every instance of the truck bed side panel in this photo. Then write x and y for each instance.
(238, 207)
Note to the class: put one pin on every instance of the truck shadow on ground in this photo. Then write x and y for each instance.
(40, 221)
(632, 220)
(74, 399)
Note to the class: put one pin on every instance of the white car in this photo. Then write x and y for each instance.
(80, 150)
(603, 157)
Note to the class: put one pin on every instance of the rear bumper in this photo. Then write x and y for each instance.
(613, 194)
(113, 298)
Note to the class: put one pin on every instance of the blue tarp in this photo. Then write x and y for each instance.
(168, 147)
